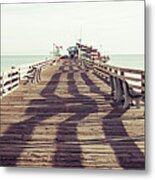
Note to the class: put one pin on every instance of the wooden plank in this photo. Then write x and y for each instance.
(69, 121)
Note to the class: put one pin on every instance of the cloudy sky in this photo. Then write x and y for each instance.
(113, 27)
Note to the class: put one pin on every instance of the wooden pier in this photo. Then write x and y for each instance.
(69, 120)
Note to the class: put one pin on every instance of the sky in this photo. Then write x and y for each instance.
(112, 27)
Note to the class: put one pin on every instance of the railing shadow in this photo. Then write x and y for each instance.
(68, 153)
(127, 153)
(93, 88)
(18, 134)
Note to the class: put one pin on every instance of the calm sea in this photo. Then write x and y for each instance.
(129, 61)
(8, 61)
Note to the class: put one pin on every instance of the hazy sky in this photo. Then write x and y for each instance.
(113, 27)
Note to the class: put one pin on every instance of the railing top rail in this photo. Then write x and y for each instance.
(136, 71)
(22, 66)
(135, 77)
(129, 70)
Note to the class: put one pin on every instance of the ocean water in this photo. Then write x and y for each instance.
(8, 61)
(128, 61)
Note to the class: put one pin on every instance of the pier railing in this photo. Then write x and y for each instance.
(134, 77)
(10, 80)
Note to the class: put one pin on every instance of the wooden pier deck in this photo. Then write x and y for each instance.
(68, 120)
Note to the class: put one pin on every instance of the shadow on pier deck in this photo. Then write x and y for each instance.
(68, 120)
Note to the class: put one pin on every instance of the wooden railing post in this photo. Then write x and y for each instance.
(11, 78)
(110, 70)
(19, 74)
(10, 81)
(143, 82)
(107, 78)
(116, 71)
(1, 85)
(122, 73)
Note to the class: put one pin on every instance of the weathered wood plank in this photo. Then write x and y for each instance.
(68, 120)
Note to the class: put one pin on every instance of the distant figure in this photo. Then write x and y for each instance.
(13, 67)
(37, 73)
(73, 52)
(33, 74)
